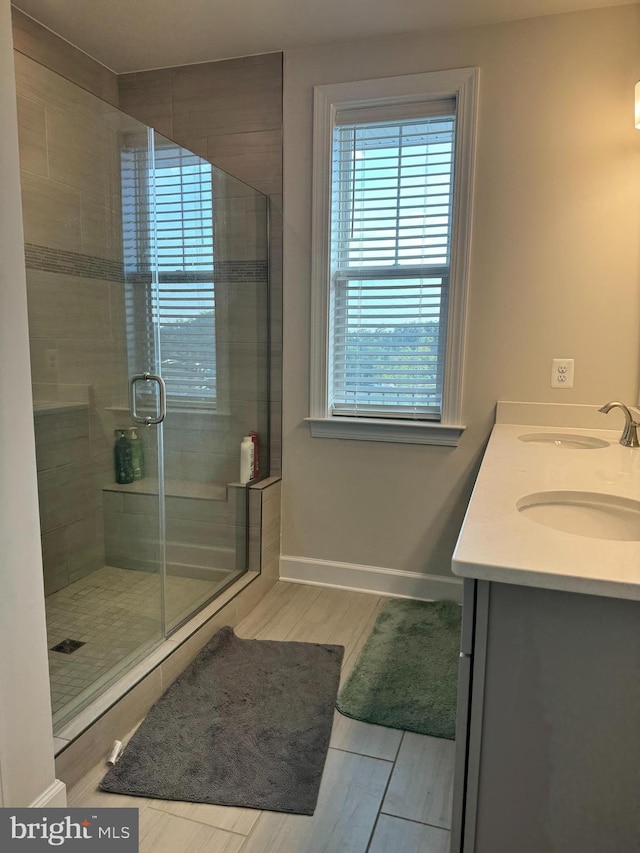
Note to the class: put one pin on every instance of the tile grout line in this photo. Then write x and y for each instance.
(382, 799)
(363, 754)
(251, 831)
(419, 822)
(192, 819)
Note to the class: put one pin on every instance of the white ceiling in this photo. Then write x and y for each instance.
(133, 35)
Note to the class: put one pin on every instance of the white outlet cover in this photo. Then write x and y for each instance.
(562, 373)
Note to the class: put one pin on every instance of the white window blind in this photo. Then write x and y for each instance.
(169, 238)
(392, 192)
(184, 304)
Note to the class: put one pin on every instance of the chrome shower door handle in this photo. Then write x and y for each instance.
(147, 377)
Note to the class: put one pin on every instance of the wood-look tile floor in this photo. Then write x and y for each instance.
(383, 791)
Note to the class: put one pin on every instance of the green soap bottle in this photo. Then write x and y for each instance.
(122, 457)
(137, 453)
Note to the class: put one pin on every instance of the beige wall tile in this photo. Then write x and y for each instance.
(101, 225)
(51, 213)
(220, 512)
(44, 360)
(77, 759)
(270, 522)
(196, 144)
(254, 157)
(54, 560)
(56, 432)
(234, 96)
(248, 370)
(272, 492)
(78, 151)
(147, 97)
(254, 550)
(55, 454)
(34, 40)
(85, 541)
(67, 307)
(253, 594)
(201, 532)
(246, 307)
(32, 136)
(118, 313)
(67, 494)
(271, 552)
(272, 569)
(207, 556)
(55, 93)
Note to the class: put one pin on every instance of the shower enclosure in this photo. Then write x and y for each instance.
(148, 315)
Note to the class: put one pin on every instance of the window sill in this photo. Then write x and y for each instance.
(381, 429)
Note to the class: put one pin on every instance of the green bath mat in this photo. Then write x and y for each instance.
(407, 674)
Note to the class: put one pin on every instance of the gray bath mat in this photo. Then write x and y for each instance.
(246, 724)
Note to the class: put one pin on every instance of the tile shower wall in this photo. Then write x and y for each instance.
(230, 112)
(36, 41)
(83, 241)
(206, 536)
(71, 210)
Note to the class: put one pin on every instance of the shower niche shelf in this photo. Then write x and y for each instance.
(56, 407)
(173, 489)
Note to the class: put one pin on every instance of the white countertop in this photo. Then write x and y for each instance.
(498, 543)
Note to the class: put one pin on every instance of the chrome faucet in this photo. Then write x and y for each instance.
(629, 437)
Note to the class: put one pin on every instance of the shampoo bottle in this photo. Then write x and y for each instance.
(122, 457)
(137, 453)
(246, 460)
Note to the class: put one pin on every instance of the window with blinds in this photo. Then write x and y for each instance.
(392, 192)
(168, 224)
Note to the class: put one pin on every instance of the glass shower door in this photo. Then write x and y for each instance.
(205, 506)
(145, 265)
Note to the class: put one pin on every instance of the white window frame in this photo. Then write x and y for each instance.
(461, 84)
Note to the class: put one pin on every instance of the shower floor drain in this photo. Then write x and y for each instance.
(67, 646)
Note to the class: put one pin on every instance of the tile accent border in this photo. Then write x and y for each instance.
(87, 266)
(372, 579)
(245, 271)
(71, 263)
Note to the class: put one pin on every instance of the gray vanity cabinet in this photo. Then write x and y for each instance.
(548, 736)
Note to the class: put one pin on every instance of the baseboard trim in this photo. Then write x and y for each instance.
(370, 579)
(55, 797)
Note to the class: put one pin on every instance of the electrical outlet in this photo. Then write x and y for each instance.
(562, 373)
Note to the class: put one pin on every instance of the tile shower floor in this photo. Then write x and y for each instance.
(116, 614)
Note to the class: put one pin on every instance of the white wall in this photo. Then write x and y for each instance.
(26, 744)
(554, 269)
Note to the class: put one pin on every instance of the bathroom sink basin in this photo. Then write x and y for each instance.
(563, 439)
(590, 514)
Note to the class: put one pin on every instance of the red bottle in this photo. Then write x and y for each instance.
(256, 461)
